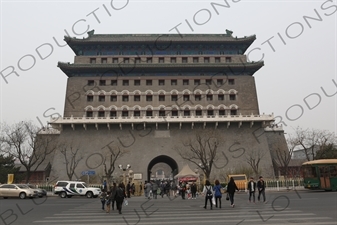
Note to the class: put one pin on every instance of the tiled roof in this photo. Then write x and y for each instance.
(158, 65)
(68, 68)
(119, 38)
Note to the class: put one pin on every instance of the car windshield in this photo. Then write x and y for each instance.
(31, 186)
(22, 186)
(85, 185)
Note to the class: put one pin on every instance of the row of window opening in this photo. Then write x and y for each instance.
(161, 60)
(174, 112)
(161, 98)
(162, 82)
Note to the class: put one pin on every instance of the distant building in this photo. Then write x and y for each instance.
(38, 176)
(146, 93)
(299, 153)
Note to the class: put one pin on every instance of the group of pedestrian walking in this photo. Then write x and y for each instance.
(130, 189)
(152, 189)
(215, 193)
(260, 186)
(116, 194)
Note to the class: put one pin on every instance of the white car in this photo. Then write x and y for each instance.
(75, 188)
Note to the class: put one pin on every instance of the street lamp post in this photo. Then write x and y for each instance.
(128, 167)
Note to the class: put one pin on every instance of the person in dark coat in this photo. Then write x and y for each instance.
(251, 189)
(231, 188)
(128, 189)
(183, 190)
(120, 195)
(261, 186)
(194, 190)
(103, 198)
(140, 188)
(113, 191)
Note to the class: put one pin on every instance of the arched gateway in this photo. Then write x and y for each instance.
(162, 159)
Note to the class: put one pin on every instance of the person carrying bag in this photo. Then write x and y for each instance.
(231, 187)
(208, 192)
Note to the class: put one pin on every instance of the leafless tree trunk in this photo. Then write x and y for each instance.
(253, 158)
(284, 155)
(28, 144)
(201, 149)
(111, 154)
(72, 157)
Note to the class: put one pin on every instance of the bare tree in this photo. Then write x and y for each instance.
(253, 158)
(201, 149)
(327, 152)
(283, 155)
(313, 140)
(248, 171)
(28, 144)
(111, 154)
(72, 157)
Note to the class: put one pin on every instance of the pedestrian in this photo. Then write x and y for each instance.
(148, 190)
(140, 188)
(261, 188)
(183, 190)
(145, 191)
(113, 190)
(167, 188)
(162, 189)
(217, 193)
(105, 185)
(208, 192)
(128, 189)
(252, 189)
(154, 189)
(120, 195)
(133, 189)
(102, 198)
(193, 190)
(231, 188)
(108, 201)
(173, 188)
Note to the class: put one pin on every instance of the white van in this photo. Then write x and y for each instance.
(77, 188)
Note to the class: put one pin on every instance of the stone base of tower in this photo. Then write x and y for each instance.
(151, 147)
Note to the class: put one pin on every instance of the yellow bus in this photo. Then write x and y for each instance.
(240, 180)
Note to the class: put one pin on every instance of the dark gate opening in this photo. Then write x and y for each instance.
(163, 159)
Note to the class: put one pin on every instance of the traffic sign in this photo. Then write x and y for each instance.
(88, 172)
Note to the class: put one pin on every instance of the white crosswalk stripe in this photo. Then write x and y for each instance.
(163, 211)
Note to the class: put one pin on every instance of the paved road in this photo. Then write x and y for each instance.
(302, 207)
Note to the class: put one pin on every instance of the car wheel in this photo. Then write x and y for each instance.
(22, 195)
(63, 194)
(89, 194)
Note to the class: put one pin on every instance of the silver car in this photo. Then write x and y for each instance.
(17, 190)
(40, 192)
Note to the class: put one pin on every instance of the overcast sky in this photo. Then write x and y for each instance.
(297, 83)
